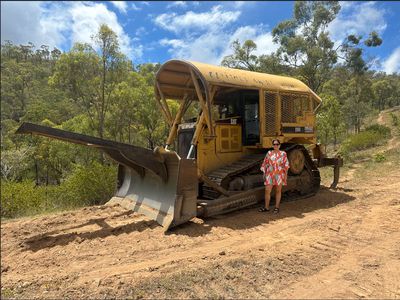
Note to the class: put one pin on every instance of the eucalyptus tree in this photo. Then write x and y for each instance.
(91, 77)
(331, 118)
(243, 56)
(304, 42)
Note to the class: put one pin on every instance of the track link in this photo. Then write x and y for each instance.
(302, 189)
(220, 175)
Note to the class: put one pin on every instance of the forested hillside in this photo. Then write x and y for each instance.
(96, 90)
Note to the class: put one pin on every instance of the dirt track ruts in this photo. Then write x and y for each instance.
(343, 243)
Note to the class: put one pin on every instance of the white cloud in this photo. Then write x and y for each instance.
(141, 31)
(205, 48)
(207, 36)
(212, 46)
(357, 18)
(175, 43)
(345, 4)
(86, 19)
(197, 21)
(181, 4)
(135, 7)
(239, 4)
(57, 23)
(23, 22)
(392, 63)
(258, 34)
(120, 5)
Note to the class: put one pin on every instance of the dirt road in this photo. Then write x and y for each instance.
(337, 244)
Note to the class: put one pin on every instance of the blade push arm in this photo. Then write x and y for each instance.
(128, 155)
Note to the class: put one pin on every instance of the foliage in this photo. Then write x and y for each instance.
(357, 96)
(304, 42)
(360, 141)
(379, 157)
(330, 121)
(88, 90)
(324, 130)
(242, 57)
(24, 198)
(305, 45)
(91, 78)
(96, 90)
(14, 163)
(382, 130)
(372, 136)
(383, 90)
(395, 121)
(91, 185)
(134, 115)
(353, 51)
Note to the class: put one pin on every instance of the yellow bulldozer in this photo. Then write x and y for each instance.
(210, 163)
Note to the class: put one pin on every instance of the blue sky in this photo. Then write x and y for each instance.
(196, 30)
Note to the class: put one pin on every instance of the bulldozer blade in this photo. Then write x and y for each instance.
(169, 203)
(158, 184)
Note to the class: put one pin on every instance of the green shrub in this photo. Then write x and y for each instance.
(24, 198)
(379, 157)
(382, 130)
(91, 185)
(360, 141)
(395, 120)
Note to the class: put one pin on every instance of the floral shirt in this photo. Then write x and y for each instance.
(275, 167)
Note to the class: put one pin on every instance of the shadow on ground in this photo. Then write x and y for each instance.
(242, 219)
(57, 238)
(251, 217)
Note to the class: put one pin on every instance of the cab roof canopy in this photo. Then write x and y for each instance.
(174, 80)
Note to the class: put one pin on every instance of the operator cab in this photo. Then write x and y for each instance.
(240, 107)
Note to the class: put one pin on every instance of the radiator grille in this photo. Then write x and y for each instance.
(270, 113)
(292, 106)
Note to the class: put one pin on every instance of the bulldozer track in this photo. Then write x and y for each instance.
(238, 167)
(246, 163)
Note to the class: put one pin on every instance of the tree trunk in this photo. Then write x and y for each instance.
(129, 133)
(47, 175)
(36, 173)
(334, 139)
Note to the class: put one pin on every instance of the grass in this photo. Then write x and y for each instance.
(327, 174)
(395, 121)
(380, 162)
(369, 150)
(379, 159)
(372, 136)
(7, 293)
(252, 277)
